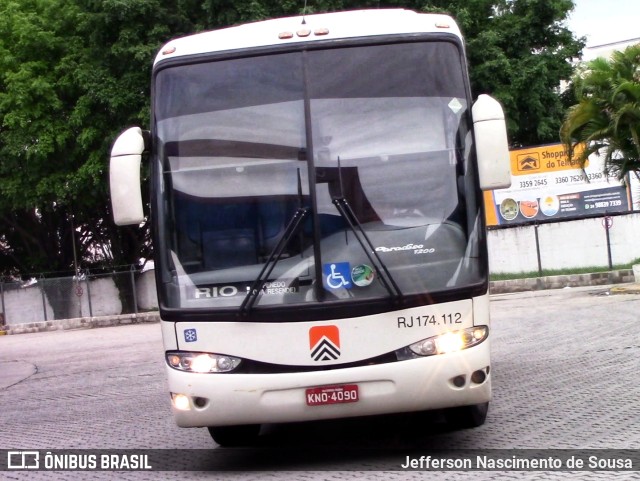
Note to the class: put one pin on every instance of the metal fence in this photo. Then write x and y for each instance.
(87, 295)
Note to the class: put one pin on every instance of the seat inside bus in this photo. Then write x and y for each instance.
(221, 233)
(231, 230)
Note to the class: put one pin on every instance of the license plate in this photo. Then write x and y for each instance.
(321, 396)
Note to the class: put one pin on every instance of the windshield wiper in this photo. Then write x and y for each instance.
(361, 236)
(275, 255)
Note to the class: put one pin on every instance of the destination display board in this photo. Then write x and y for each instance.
(546, 185)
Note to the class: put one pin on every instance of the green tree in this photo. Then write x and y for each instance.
(74, 73)
(606, 117)
(519, 51)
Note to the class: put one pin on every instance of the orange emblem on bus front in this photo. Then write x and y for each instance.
(324, 343)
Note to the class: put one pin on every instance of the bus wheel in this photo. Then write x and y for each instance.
(235, 435)
(464, 417)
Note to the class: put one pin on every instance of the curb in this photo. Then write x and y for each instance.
(623, 276)
(81, 323)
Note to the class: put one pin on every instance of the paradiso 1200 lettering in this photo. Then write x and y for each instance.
(416, 248)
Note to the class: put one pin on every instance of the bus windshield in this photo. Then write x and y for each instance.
(245, 145)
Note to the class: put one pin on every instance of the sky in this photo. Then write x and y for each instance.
(605, 21)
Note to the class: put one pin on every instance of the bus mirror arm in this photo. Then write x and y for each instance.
(124, 176)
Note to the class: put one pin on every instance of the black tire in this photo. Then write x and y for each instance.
(231, 436)
(465, 417)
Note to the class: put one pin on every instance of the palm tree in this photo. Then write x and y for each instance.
(607, 116)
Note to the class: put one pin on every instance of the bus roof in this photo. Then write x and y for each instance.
(324, 26)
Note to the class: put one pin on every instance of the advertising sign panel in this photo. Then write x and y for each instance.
(546, 185)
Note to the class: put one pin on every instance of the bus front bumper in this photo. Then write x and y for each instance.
(433, 382)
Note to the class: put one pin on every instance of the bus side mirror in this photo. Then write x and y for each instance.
(124, 177)
(492, 147)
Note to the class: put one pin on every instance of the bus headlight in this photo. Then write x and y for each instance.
(201, 362)
(447, 342)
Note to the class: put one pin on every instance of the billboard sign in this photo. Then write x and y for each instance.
(547, 185)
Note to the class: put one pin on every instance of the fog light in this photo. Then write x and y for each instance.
(181, 402)
(458, 381)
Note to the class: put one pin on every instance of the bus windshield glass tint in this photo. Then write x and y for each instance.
(245, 144)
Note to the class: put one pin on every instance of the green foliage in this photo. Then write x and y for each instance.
(519, 51)
(606, 117)
(75, 73)
(72, 75)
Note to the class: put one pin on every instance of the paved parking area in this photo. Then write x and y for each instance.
(565, 367)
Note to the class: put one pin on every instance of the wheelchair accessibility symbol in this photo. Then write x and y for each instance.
(336, 275)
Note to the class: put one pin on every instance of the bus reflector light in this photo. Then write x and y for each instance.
(478, 377)
(200, 401)
(303, 33)
(173, 360)
(285, 35)
(318, 32)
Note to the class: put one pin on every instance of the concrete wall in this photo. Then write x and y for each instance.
(105, 300)
(565, 245)
(146, 291)
(24, 305)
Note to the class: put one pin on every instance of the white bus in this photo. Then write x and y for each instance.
(320, 250)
